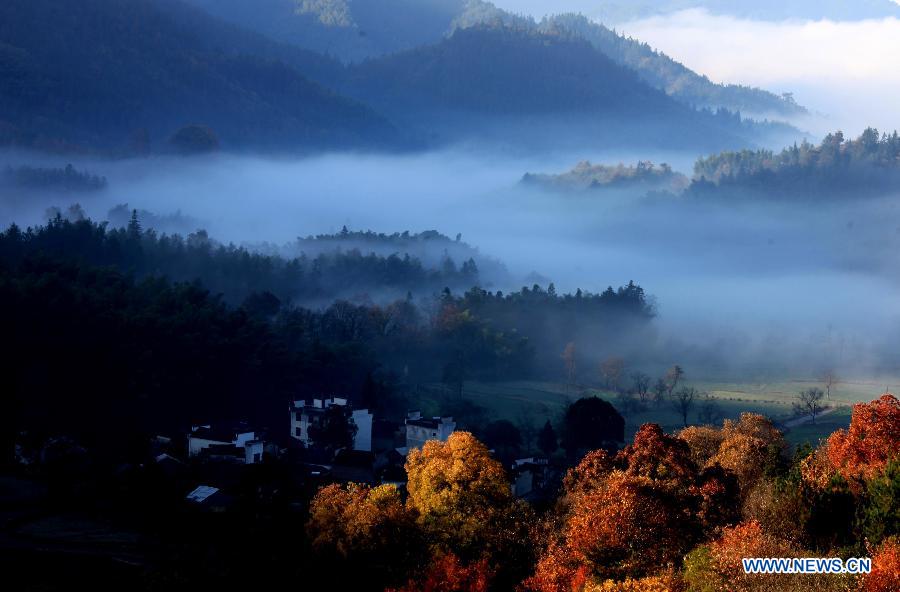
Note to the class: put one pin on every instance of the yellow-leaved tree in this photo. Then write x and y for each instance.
(464, 505)
(367, 529)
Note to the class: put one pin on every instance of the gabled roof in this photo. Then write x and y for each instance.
(202, 493)
(430, 423)
(218, 433)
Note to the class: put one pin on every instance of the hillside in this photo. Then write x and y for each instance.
(655, 68)
(486, 69)
(152, 67)
(676, 80)
(350, 31)
(550, 89)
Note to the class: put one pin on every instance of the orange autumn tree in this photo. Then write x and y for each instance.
(448, 574)
(744, 447)
(665, 582)
(718, 567)
(862, 451)
(630, 515)
(370, 529)
(704, 442)
(885, 575)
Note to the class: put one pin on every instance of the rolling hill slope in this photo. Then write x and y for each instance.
(98, 72)
(483, 80)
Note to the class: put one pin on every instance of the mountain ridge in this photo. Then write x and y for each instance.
(153, 66)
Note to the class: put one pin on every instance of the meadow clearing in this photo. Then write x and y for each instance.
(530, 403)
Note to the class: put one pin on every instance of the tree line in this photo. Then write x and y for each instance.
(170, 331)
(869, 164)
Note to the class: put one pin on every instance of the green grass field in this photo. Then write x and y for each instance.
(532, 403)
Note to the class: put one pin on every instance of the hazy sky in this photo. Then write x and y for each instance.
(849, 70)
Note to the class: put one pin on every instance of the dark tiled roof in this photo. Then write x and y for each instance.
(425, 423)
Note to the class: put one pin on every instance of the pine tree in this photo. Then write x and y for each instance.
(547, 440)
(134, 225)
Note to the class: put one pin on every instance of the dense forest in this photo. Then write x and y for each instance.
(324, 275)
(190, 305)
(867, 165)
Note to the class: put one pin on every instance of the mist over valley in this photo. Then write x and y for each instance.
(449, 295)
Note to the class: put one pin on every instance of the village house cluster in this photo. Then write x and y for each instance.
(375, 453)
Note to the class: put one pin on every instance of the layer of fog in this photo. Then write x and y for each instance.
(846, 71)
(764, 285)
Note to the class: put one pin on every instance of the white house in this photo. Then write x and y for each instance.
(529, 474)
(420, 429)
(308, 413)
(239, 444)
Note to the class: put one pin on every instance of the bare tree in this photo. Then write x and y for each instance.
(809, 402)
(830, 379)
(683, 402)
(674, 374)
(626, 403)
(611, 370)
(571, 369)
(709, 413)
(640, 383)
(659, 391)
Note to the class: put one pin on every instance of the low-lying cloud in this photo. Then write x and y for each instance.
(757, 284)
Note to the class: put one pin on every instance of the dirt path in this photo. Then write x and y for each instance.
(807, 418)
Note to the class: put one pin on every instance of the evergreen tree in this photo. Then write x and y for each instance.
(547, 440)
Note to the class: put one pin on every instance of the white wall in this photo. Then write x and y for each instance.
(363, 439)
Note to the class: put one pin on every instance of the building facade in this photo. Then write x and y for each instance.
(305, 414)
(422, 429)
(235, 444)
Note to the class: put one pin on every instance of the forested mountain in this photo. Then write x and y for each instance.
(372, 28)
(109, 72)
(655, 68)
(618, 11)
(662, 72)
(347, 29)
(554, 87)
(488, 69)
(154, 67)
